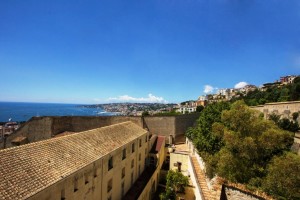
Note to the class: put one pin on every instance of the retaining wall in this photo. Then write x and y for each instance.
(285, 109)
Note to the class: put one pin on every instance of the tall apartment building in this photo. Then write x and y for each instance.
(102, 163)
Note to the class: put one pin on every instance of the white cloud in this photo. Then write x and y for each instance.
(240, 85)
(208, 89)
(150, 99)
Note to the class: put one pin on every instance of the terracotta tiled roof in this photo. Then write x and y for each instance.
(26, 170)
(160, 140)
(158, 144)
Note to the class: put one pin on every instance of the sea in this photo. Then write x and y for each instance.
(16, 111)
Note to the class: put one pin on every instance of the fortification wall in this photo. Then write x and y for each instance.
(41, 128)
(285, 109)
(78, 124)
(183, 122)
(170, 125)
(161, 126)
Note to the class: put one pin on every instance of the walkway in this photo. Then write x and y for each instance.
(207, 193)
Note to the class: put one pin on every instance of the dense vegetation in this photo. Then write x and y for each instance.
(274, 93)
(286, 124)
(240, 146)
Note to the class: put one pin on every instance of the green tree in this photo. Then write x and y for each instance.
(199, 108)
(206, 141)
(176, 182)
(295, 90)
(286, 124)
(295, 115)
(284, 94)
(283, 178)
(275, 118)
(238, 143)
(145, 113)
(250, 142)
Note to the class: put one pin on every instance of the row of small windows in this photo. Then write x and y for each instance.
(86, 179)
(109, 184)
(110, 162)
(109, 188)
(110, 166)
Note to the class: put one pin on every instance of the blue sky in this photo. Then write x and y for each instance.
(156, 50)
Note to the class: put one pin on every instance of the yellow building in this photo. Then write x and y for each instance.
(102, 163)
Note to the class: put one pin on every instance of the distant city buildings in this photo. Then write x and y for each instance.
(7, 129)
(287, 79)
(134, 109)
(226, 94)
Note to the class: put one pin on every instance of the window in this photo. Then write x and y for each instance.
(140, 157)
(123, 172)
(132, 147)
(86, 179)
(139, 169)
(109, 185)
(145, 151)
(140, 142)
(62, 194)
(123, 191)
(152, 161)
(110, 163)
(124, 154)
(131, 178)
(132, 163)
(95, 172)
(75, 184)
(179, 166)
(146, 139)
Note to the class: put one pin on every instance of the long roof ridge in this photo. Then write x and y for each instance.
(28, 170)
(50, 140)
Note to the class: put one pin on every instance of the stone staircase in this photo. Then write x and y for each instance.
(207, 193)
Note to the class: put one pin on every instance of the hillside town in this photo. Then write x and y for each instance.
(189, 106)
(8, 128)
(228, 94)
(134, 109)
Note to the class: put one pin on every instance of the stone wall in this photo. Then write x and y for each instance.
(41, 128)
(285, 109)
(170, 125)
(78, 124)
